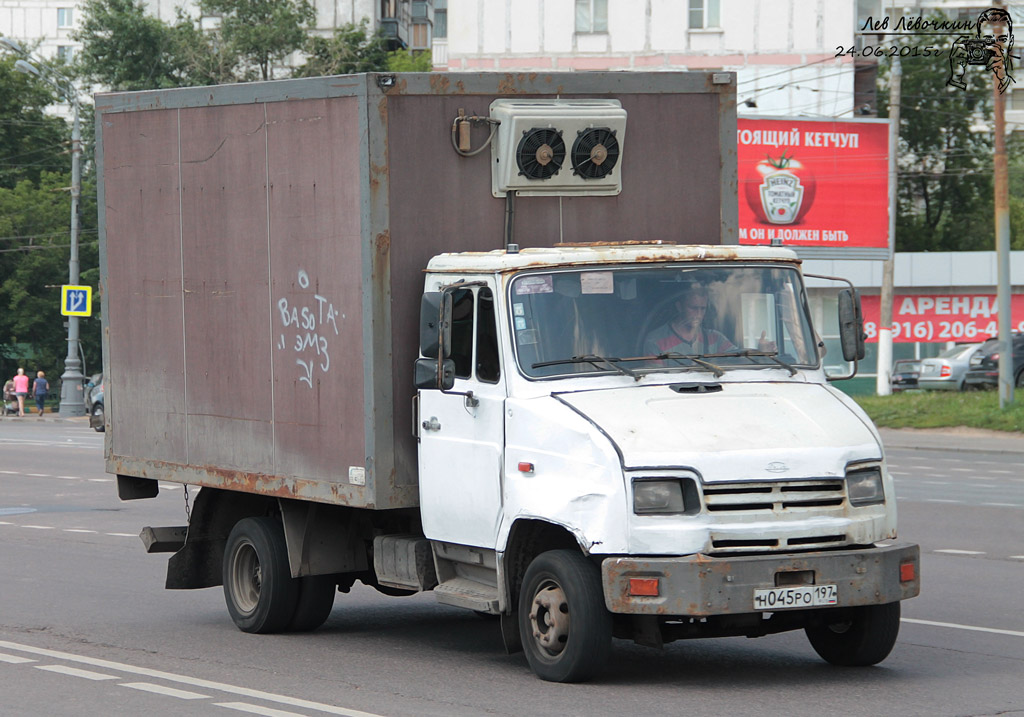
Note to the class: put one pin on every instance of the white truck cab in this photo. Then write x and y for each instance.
(716, 486)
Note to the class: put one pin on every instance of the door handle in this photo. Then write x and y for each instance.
(432, 425)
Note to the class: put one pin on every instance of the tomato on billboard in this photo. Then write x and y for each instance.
(814, 182)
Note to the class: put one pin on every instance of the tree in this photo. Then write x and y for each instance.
(261, 33)
(124, 48)
(30, 140)
(352, 48)
(945, 168)
(404, 61)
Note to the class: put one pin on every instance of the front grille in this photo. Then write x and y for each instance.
(774, 496)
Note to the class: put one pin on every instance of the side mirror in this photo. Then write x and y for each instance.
(435, 373)
(435, 326)
(851, 325)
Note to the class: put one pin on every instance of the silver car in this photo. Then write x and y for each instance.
(946, 372)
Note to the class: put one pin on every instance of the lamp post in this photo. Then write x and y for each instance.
(72, 399)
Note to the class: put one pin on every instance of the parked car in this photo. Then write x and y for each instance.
(904, 374)
(984, 368)
(94, 402)
(946, 372)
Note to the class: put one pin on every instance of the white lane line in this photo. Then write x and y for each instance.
(934, 482)
(995, 470)
(161, 690)
(1002, 505)
(940, 500)
(75, 672)
(953, 551)
(70, 477)
(78, 530)
(39, 527)
(1017, 557)
(101, 480)
(123, 535)
(38, 475)
(14, 659)
(4, 522)
(183, 679)
(257, 710)
(962, 470)
(973, 628)
(10, 473)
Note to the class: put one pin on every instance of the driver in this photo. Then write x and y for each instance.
(685, 334)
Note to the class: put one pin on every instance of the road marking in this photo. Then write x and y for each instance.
(38, 475)
(14, 659)
(101, 480)
(10, 473)
(1017, 557)
(962, 470)
(70, 477)
(183, 679)
(1002, 505)
(256, 710)
(39, 527)
(934, 482)
(996, 470)
(973, 628)
(123, 535)
(75, 672)
(78, 530)
(940, 500)
(953, 551)
(161, 690)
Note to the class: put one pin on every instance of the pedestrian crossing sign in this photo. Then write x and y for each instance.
(76, 300)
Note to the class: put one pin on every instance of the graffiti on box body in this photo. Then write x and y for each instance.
(314, 325)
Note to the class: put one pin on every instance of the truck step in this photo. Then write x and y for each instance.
(463, 592)
(164, 540)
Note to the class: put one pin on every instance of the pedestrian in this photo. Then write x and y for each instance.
(21, 390)
(40, 387)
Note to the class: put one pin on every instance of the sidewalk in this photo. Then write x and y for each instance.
(960, 439)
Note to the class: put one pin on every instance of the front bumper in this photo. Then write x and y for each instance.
(701, 586)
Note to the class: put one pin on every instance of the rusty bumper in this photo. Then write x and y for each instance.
(700, 586)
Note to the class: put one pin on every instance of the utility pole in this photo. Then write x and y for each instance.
(884, 381)
(1002, 217)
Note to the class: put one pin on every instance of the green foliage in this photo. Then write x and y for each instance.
(943, 409)
(261, 33)
(350, 49)
(34, 241)
(124, 48)
(945, 169)
(404, 61)
(30, 141)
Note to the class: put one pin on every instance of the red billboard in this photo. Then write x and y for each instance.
(814, 183)
(933, 318)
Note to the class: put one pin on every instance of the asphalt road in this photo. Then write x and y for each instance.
(86, 627)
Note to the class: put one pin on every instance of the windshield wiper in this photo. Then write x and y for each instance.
(593, 359)
(698, 359)
(771, 355)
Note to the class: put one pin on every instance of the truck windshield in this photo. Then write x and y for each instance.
(671, 318)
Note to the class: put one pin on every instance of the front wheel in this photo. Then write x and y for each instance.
(864, 637)
(565, 629)
(258, 587)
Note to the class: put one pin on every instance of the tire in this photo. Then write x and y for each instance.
(314, 603)
(258, 587)
(565, 629)
(866, 638)
(97, 413)
(1019, 381)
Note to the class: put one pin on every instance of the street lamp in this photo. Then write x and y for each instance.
(72, 402)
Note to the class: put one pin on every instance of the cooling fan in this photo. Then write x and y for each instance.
(595, 153)
(541, 153)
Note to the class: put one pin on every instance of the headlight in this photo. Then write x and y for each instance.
(658, 496)
(864, 487)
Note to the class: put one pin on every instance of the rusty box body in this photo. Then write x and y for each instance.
(262, 249)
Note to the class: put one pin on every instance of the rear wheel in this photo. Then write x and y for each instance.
(566, 630)
(865, 637)
(1019, 381)
(258, 587)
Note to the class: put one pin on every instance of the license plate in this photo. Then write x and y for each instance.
(795, 597)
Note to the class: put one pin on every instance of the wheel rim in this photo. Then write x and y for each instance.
(549, 618)
(246, 578)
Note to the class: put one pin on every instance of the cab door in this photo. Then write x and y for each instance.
(461, 431)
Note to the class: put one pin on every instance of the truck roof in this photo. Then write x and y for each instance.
(499, 260)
